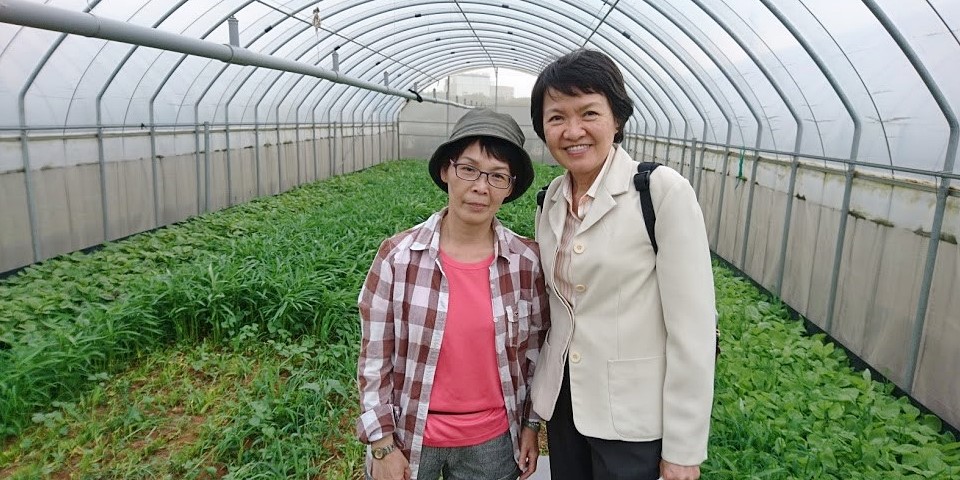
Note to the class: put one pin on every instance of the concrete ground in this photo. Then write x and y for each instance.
(543, 469)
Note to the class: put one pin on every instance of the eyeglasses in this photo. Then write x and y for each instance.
(470, 173)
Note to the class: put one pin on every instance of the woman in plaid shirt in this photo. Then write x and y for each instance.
(453, 312)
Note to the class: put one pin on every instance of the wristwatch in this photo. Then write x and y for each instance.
(532, 425)
(379, 453)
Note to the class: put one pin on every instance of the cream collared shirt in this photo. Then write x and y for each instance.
(571, 224)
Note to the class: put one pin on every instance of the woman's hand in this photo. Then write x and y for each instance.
(394, 466)
(672, 471)
(529, 452)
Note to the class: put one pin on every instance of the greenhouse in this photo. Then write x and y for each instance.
(192, 193)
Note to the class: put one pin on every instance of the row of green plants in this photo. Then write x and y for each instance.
(280, 267)
(243, 325)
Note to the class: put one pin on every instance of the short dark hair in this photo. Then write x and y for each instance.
(582, 71)
(495, 147)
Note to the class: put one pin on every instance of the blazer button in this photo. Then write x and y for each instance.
(580, 288)
(574, 357)
(578, 248)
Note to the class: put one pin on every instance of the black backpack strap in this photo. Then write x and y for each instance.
(541, 195)
(642, 182)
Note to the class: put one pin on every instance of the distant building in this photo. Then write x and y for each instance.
(471, 84)
(506, 91)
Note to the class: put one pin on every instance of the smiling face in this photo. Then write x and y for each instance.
(474, 203)
(579, 131)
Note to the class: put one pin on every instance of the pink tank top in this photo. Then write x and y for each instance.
(466, 402)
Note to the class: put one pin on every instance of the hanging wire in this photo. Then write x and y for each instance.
(480, 42)
(612, 7)
(945, 24)
(348, 39)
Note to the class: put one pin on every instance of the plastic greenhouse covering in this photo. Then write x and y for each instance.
(839, 115)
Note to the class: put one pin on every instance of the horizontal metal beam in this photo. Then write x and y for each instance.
(19, 12)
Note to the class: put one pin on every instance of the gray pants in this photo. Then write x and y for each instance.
(490, 460)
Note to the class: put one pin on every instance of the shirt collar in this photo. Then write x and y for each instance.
(428, 236)
(567, 185)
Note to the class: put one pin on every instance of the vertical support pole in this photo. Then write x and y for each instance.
(229, 157)
(781, 264)
(256, 154)
(297, 148)
(838, 250)
(693, 152)
(196, 157)
(923, 300)
(104, 201)
(703, 151)
(316, 153)
(723, 188)
(343, 141)
(746, 224)
(31, 198)
(279, 160)
(154, 170)
(206, 165)
(332, 136)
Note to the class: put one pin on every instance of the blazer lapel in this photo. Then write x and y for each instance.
(557, 214)
(616, 181)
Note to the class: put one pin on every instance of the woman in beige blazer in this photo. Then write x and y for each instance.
(625, 378)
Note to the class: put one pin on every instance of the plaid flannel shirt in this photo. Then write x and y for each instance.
(403, 305)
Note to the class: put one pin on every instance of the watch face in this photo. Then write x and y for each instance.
(379, 453)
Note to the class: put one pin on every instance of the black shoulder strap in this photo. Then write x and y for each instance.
(541, 195)
(642, 181)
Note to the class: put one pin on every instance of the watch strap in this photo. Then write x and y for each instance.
(381, 452)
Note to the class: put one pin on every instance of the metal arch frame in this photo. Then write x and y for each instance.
(101, 154)
(210, 65)
(756, 161)
(574, 19)
(674, 75)
(435, 59)
(213, 27)
(503, 50)
(713, 58)
(196, 115)
(724, 68)
(863, 83)
(411, 35)
(310, 3)
(342, 8)
(786, 71)
(485, 12)
(120, 64)
(845, 207)
(933, 245)
(435, 55)
(375, 27)
(680, 111)
(535, 16)
(698, 73)
(453, 67)
(24, 146)
(604, 36)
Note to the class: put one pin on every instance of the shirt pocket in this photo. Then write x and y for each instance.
(518, 323)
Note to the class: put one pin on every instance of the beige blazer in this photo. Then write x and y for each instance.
(640, 339)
